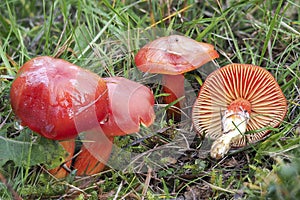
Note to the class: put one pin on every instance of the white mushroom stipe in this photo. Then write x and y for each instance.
(234, 126)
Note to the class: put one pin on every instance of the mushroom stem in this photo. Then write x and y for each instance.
(95, 152)
(60, 171)
(174, 86)
(234, 126)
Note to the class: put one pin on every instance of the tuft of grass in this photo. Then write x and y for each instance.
(103, 36)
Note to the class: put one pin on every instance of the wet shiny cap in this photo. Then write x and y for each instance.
(58, 99)
(174, 55)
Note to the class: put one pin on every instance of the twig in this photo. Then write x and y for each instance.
(147, 182)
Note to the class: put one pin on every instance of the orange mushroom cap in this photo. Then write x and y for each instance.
(131, 104)
(226, 87)
(174, 55)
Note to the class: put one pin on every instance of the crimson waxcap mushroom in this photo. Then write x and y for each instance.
(172, 56)
(235, 99)
(58, 99)
(131, 104)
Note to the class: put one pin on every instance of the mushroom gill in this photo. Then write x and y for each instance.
(233, 84)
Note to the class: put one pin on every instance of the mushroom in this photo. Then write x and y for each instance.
(58, 99)
(130, 105)
(235, 99)
(172, 56)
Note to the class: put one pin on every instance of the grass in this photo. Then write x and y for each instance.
(103, 36)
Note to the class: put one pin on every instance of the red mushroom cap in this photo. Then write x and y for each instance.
(243, 87)
(174, 55)
(58, 99)
(131, 104)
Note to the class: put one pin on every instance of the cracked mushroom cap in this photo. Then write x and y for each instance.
(174, 55)
(239, 81)
(130, 105)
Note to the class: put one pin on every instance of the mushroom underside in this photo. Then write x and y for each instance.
(237, 81)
